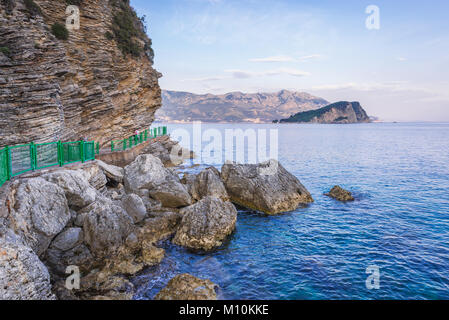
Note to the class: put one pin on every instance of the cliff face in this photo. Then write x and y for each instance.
(235, 107)
(340, 112)
(82, 87)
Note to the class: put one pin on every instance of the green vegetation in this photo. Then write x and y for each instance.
(60, 31)
(309, 115)
(5, 51)
(33, 8)
(109, 35)
(9, 6)
(127, 28)
(75, 2)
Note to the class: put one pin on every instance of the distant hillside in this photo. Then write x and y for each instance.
(235, 107)
(340, 112)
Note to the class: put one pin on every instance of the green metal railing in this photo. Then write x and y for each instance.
(17, 160)
(131, 142)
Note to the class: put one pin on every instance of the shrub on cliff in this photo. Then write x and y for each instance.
(74, 2)
(32, 7)
(60, 31)
(5, 51)
(128, 29)
(125, 32)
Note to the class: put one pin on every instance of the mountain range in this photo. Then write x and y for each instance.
(235, 106)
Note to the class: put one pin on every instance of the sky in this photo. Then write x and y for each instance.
(397, 66)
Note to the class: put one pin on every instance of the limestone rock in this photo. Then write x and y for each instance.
(76, 186)
(266, 187)
(68, 239)
(106, 226)
(135, 207)
(208, 183)
(340, 194)
(95, 175)
(22, 275)
(113, 173)
(206, 224)
(39, 212)
(148, 173)
(84, 87)
(188, 287)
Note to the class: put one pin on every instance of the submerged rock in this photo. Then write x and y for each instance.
(340, 194)
(147, 175)
(266, 187)
(188, 287)
(206, 224)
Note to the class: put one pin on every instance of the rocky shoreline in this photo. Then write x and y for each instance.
(107, 221)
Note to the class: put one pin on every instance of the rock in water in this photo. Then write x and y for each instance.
(266, 187)
(340, 194)
(22, 275)
(206, 224)
(188, 287)
(208, 183)
(39, 212)
(147, 175)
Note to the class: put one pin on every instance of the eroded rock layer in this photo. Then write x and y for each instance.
(82, 87)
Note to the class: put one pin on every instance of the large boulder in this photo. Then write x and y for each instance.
(95, 175)
(208, 184)
(22, 275)
(188, 287)
(113, 173)
(68, 239)
(39, 212)
(76, 186)
(135, 207)
(266, 187)
(147, 175)
(340, 194)
(106, 226)
(206, 224)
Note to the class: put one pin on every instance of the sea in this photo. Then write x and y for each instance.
(391, 243)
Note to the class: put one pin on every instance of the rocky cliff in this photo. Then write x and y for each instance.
(235, 107)
(96, 82)
(340, 112)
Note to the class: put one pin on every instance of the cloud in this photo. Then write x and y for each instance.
(310, 57)
(283, 58)
(402, 59)
(242, 74)
(274, 59)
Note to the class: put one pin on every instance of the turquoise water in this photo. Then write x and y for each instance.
(399, 174)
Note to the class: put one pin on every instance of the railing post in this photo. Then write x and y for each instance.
(60, 160)
(82, 151)
(33, 156)
(8, 163)
(98, 147)
(124, 144)
(112, 146)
